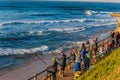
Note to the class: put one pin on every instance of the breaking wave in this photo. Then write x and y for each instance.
(11, 51)
(41, 21)
(82, 20)
(68, 29)
(17, 35)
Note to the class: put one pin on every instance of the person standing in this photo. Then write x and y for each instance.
(53, 68)
(62, 63)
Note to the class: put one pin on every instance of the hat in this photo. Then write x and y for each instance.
(54, 58)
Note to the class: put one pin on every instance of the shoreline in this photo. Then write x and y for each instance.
(30, 63)
(26, 69)
(6, 70)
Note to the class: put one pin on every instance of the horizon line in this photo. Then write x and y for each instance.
(59, 1)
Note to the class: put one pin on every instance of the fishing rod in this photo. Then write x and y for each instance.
(54, 54)
(39, 57)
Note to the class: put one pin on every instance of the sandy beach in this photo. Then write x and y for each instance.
(25, 72)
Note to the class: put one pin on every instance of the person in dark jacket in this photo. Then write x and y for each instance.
(62, 63)
(53, 68)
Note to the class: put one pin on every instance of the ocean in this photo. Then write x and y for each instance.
(45, 27)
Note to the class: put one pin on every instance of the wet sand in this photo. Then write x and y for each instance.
(27, 71)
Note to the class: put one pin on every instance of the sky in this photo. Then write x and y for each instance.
(101, 0)
(94, 0)
(118, 1)
(69, 0)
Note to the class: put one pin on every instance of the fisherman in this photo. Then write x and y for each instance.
(83, 46)
(83, 53)
(109, 46)
(80, 47)
(53, 68)
(87, 44)
(73, 55)
(78, 57)
(113, 43)
(101, 51)
(62, 63)
(95, 45)
(112, 34)
(117, 39)
(87, 59)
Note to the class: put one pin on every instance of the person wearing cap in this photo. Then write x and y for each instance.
(53, 68)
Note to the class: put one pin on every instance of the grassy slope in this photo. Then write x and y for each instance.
(106, 69)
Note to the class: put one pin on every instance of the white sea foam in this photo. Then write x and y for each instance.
(101, 13)
(92, 24)
(41, 48)
(104, 12)
(0, 24)
(91, 12)
(94, 12)
(10, 51)
(88, 12)
(98, 13)
(68, 29)
(56, 29)
(22, 34)
(53, 21)
(103, 20)
(36, 32)
(41, 21)
(104, 24)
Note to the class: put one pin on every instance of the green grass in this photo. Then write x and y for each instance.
(106, 69)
